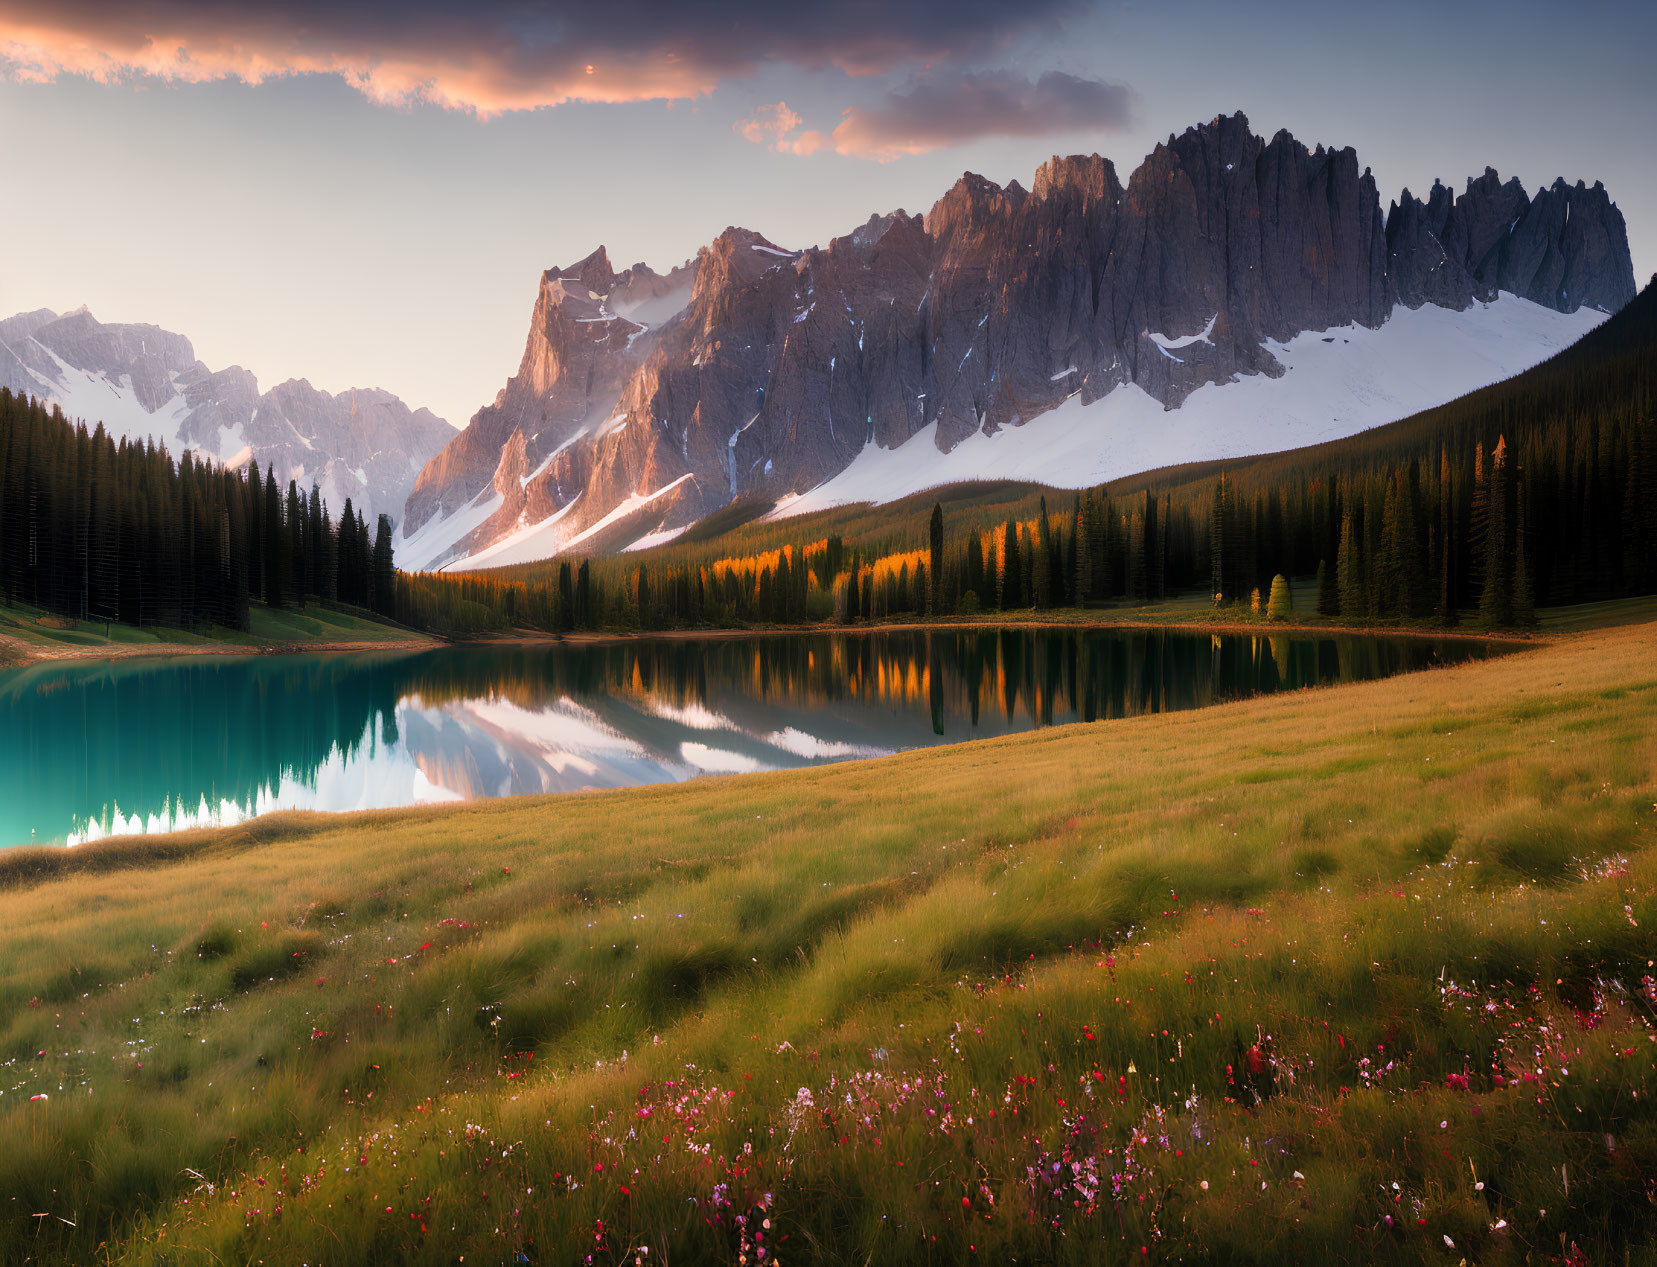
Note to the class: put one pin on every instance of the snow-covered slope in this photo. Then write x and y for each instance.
(1337, 382)
(111, 400)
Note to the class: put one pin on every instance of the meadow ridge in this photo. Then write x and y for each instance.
(1363, 973)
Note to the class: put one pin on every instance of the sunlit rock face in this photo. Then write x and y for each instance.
(644, 402)
(145, 384)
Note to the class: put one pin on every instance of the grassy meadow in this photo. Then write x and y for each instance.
(1357, 974)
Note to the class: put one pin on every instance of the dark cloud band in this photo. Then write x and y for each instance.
(490, 56)
(949, 109)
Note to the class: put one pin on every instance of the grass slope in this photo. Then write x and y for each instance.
(1359, 974)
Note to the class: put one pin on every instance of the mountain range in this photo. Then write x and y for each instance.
(142, 382)
(1236, 295)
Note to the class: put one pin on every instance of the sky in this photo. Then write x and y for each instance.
(365, 192)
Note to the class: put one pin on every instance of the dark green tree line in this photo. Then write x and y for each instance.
(98, 529)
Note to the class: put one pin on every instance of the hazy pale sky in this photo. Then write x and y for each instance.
(365, 193)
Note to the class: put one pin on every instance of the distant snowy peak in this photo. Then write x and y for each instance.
(1166, 318)
(145, 383)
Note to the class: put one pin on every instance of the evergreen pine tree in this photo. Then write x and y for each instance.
(935, 569)
(1082, 531)
(1041, 559)
(1136, 557)
(566, 596)
(385, 573)
(1524, 601)
(975, 570)
(274, 543)
(1217, 543)
(1349, 574)
(1329, 601)
(1496, 596)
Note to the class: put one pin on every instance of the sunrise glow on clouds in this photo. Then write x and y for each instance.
(494, 58)
(944, 110)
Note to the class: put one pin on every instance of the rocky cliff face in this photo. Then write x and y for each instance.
(590, 328)
(143, 382)
(1565, 249)
(779, 367)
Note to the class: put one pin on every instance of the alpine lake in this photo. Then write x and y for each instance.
(94, 749)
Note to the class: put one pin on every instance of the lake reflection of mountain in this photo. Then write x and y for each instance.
(86, 749)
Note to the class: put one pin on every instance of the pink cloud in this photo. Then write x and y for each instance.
(767, 125)
(492, 56)
(774, 126)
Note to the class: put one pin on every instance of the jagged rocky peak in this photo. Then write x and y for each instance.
(1280, 237)
(590, 328)
(645, 296)
(868, 234)
(24, 324)
(147, 354)
(1565, 249)
(1440, 202)
(740, 255)
(996, 307)
(733, 262)
(596, 271)
(1421, 268)
(973, 203)
(879, 237)
(627, 294)
(1087, 176)
(1479, 225)
(1570, 249)
(573, 327)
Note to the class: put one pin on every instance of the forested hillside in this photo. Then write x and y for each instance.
(1538, 490)
(92, 529)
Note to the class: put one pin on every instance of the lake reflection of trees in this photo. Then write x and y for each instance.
(75, 740)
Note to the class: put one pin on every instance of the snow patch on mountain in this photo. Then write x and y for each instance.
(1202, 336)
(1331, 389)
(437, 537)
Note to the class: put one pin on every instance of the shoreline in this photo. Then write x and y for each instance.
(16, 653)
(1537, 637)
